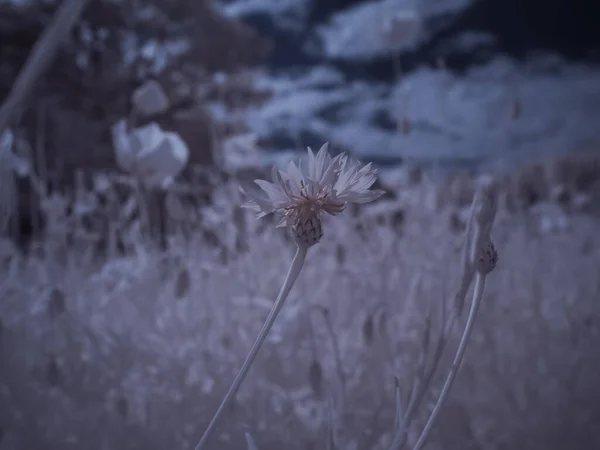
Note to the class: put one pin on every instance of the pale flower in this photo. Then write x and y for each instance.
(301, 193)
(150, 153)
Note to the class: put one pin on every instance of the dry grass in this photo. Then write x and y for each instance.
(136, 352)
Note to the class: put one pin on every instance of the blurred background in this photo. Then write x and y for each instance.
(108, 337)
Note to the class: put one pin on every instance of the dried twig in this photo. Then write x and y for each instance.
(40, 57)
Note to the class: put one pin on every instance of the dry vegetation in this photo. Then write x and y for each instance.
(109, 342)
(136, 351)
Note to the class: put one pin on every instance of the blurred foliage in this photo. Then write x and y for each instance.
(115, 47)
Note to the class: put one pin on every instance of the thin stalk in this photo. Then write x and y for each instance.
(336, 352)
(424, 380)
(458, 358)
(290, 278)
(65, 17)
(143, 200)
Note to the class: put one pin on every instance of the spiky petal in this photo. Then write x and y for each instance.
(301, 193)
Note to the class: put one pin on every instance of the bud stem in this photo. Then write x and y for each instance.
(458, 358)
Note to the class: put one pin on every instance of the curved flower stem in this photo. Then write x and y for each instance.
(290, 278)
(458, 358)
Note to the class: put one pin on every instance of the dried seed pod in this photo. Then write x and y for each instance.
(56, 303)
(368, 329)
(488, 258)
(183, 283)
(315, 377)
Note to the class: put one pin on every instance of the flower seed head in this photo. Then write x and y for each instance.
(301, 193)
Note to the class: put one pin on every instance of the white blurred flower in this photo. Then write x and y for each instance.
(301, 193)
(150, 99)
(148, 152)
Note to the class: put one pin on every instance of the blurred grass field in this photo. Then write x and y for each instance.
(136, 351)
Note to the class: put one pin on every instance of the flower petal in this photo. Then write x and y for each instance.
(276, 196)
(312, 164)
(319, 184)
(295, 178)
(322, 162)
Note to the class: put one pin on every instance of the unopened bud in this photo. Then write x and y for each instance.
(308, 231)
(487, 258)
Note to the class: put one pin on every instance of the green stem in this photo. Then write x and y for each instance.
(290, 278)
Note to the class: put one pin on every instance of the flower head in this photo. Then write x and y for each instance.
(301, 193)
